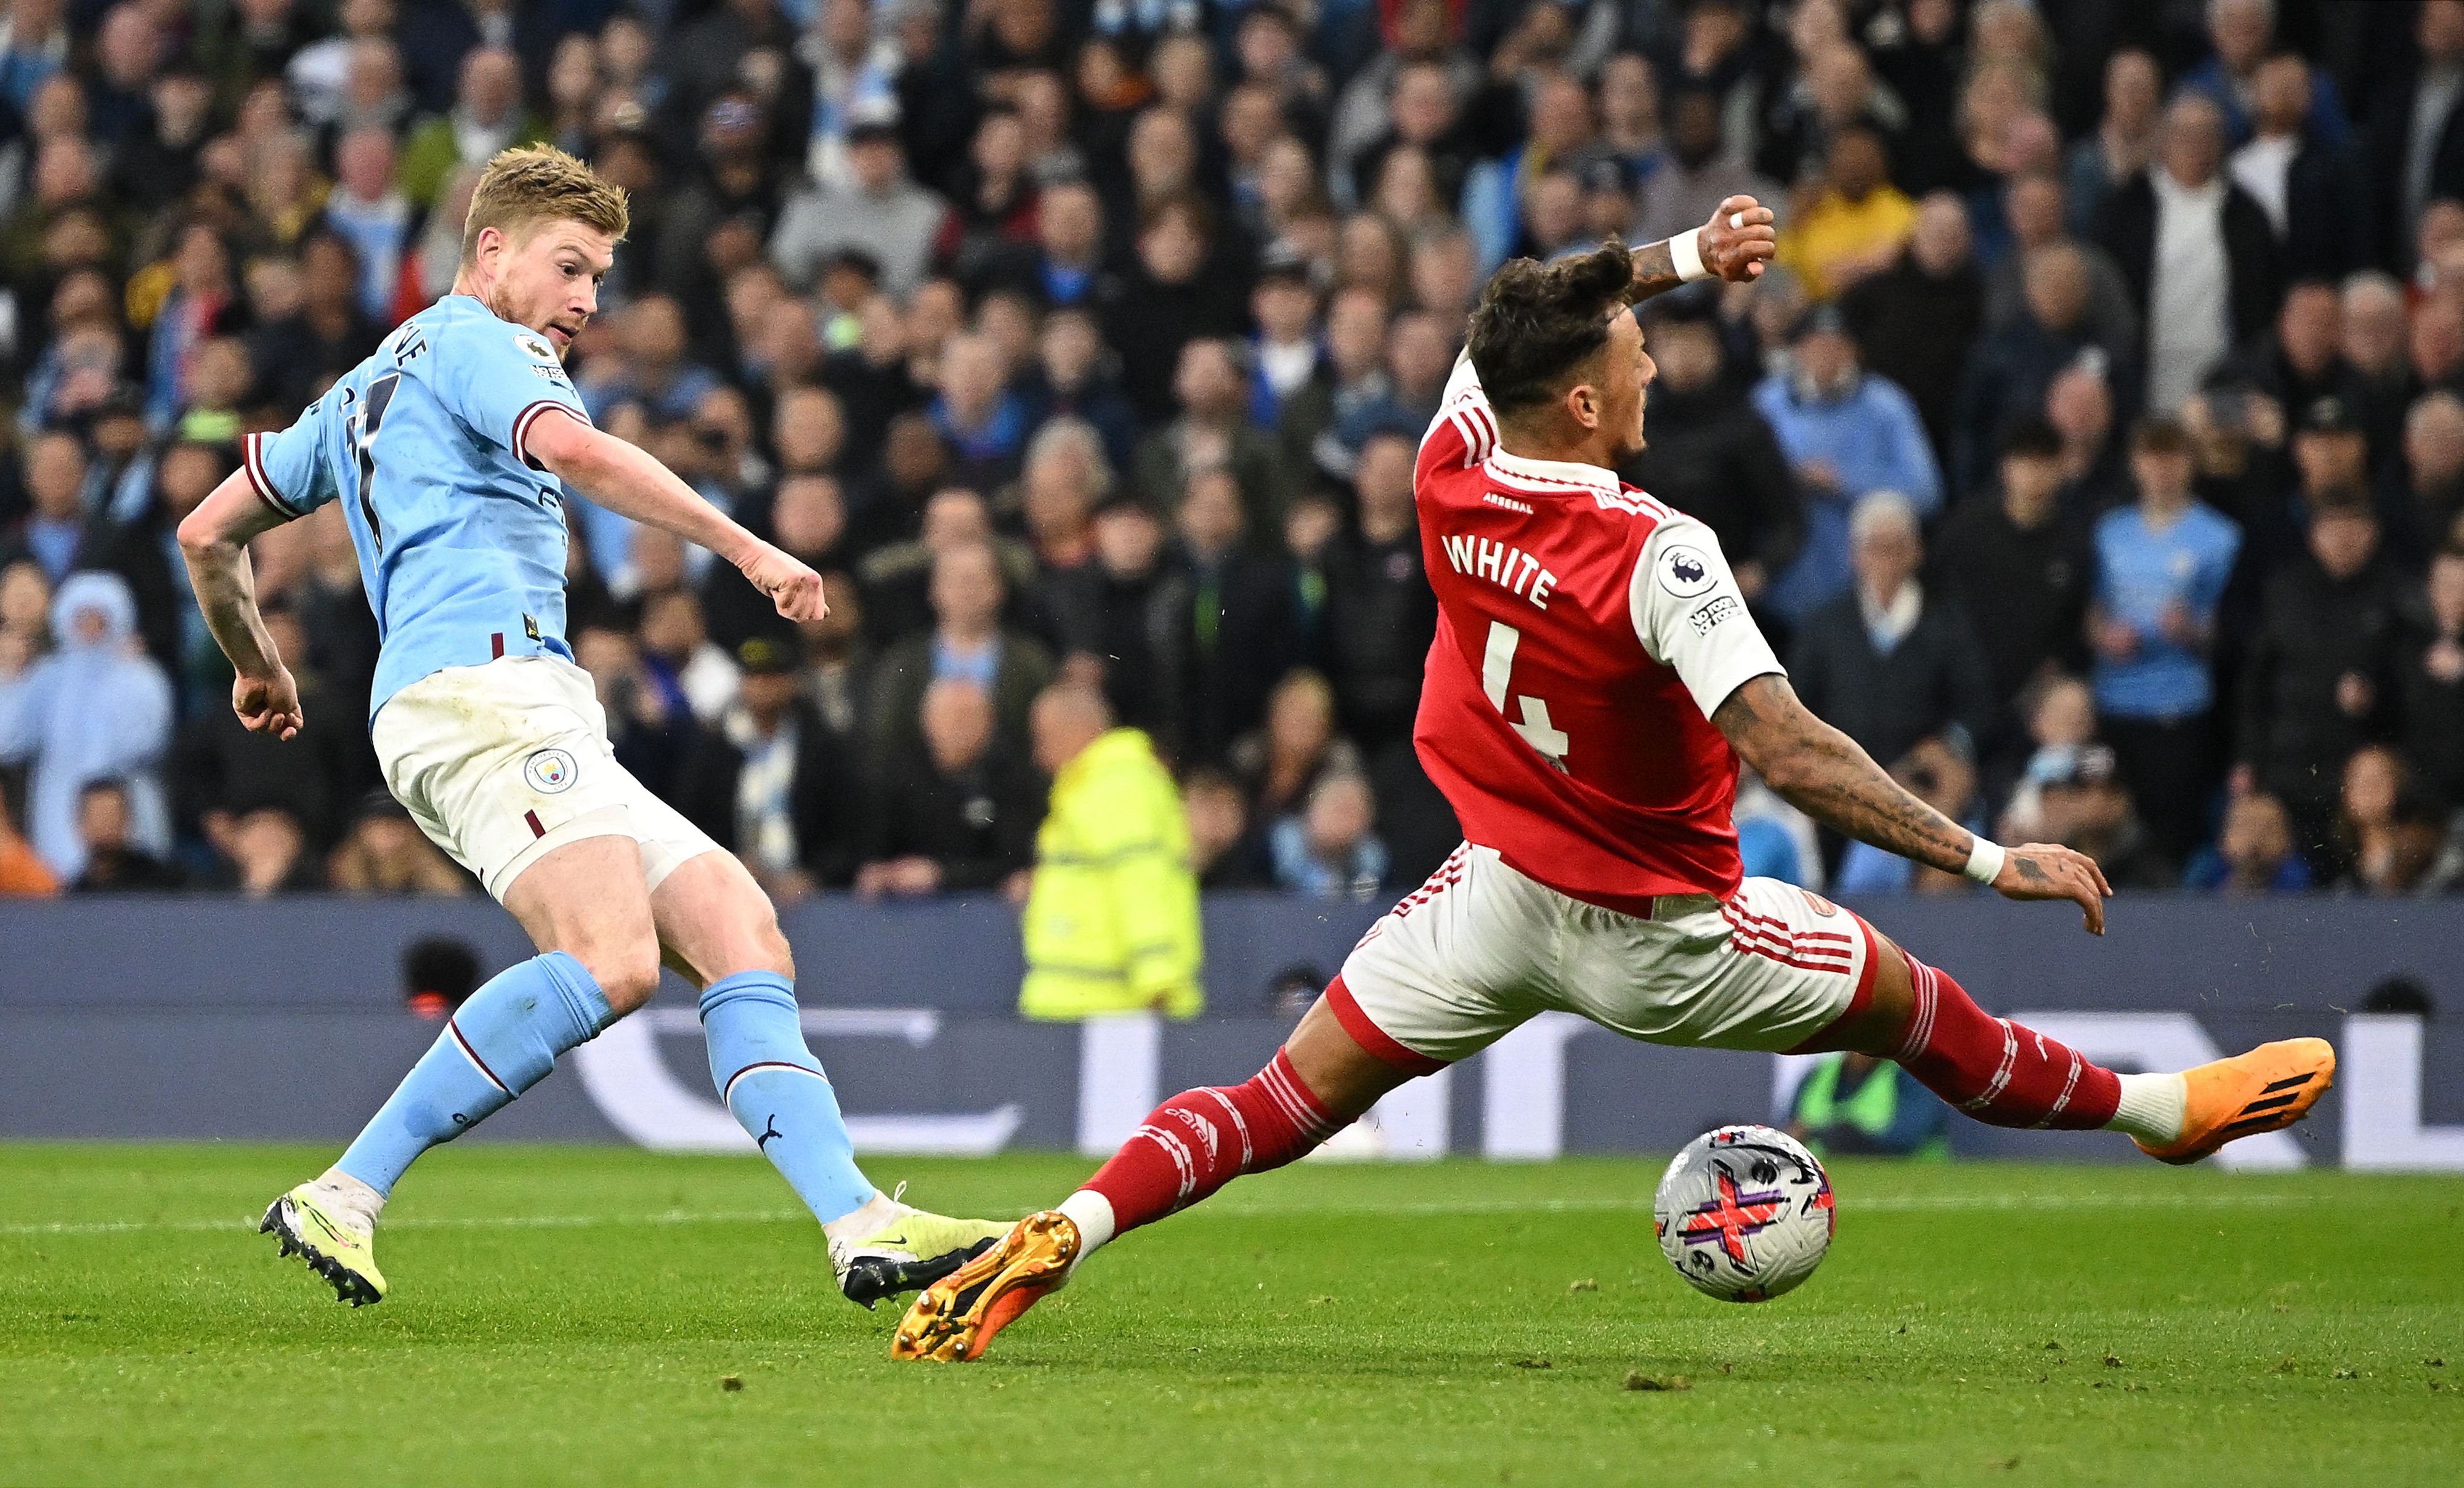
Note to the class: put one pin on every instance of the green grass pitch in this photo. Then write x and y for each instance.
(576, 1316)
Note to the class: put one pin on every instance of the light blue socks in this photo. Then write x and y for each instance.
(497, 1045)
(507, 1037)
(776, 1091)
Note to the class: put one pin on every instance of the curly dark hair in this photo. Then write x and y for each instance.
(1535, 323)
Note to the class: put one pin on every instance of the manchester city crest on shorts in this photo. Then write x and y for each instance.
(1684, 570)
(549, 771)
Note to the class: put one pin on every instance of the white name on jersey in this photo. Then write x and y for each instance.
(1510, 568)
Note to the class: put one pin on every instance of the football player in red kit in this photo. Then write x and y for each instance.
(1594, 681)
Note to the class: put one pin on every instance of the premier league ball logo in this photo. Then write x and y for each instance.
(549, 771)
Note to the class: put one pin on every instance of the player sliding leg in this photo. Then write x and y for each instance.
(2005, 1074)
(1472, 942)
(1339, 1063)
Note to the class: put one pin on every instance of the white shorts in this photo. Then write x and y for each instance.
(501, 762)
(1479, 947)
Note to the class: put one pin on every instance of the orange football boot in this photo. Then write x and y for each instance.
(956, 1317)
(2269, 1087)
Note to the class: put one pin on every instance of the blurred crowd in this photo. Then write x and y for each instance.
(2094, 454)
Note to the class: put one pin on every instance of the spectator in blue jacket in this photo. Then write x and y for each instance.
(2243, 32)
(1849, 433)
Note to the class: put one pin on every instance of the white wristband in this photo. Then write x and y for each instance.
(1686, 250)
(1985, 861)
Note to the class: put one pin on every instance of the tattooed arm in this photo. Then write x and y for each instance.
(1735, 244)
(1822, 773)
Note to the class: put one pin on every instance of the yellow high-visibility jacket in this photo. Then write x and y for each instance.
(1111, 923)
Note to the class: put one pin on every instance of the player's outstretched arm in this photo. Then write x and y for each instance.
(1823, 773)
(630, 482)
(213, 541)
(1734, 245)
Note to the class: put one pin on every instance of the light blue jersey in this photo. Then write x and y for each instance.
(2141, 570)
(461, 537)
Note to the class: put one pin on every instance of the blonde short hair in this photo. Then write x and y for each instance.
(536, 183)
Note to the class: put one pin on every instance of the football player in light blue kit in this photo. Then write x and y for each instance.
(445, 451)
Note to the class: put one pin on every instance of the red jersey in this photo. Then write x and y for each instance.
(1585, 632)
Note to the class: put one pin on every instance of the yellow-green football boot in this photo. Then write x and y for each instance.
(334, 1243)
(908, 1252)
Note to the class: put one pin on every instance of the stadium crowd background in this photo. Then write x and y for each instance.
(2095, 458)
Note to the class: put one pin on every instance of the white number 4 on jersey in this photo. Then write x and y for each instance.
(1496, 667)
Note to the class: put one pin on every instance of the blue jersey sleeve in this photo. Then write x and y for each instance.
(498, 379)
(290, 470)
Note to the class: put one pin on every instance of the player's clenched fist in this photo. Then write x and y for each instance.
(1739, 239)
(792, 586)
(268, 704)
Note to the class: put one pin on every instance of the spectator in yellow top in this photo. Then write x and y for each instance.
(1112, 913)
(1858, 220)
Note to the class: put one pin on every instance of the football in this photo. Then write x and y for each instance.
(1744, 1214)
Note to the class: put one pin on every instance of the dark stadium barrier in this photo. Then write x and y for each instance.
(205, 1017)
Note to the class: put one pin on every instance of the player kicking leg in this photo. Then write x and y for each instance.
(588, 901)
(712, 917)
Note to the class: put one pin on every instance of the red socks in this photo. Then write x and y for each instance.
(1996, 1070)
(1201, 1140)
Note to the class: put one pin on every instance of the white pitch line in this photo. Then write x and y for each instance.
(1889, 1204)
